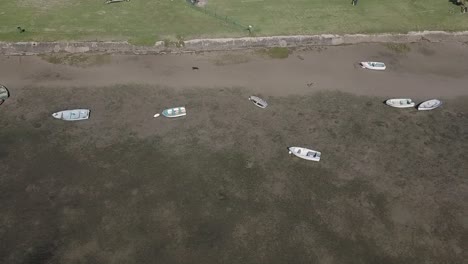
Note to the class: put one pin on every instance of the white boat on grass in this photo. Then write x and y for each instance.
(305, 153)
(258, 101)
(72, 115)
(174, 112)
(400, 103)
(429, 104)
(373, 65)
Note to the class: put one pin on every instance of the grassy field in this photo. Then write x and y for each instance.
(143, 22)
(126, 188)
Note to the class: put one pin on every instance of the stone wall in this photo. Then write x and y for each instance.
(33, 48)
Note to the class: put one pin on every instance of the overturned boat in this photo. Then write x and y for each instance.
(429, 104)
(373, 65)
(72, 115)
(305, 153)
(400, 103)
(175, 112)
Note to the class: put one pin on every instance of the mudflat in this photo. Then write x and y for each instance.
(218, 185)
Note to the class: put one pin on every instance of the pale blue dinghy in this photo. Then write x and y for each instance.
(72, 115)
(174, 112)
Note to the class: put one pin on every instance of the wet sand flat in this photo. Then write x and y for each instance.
(218, 185)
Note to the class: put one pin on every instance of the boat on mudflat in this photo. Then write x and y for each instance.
(258, 101)
(4, 94)
(174, 112)
(72, 115)
(373, 65)
(305, 153)
(400, 102)
(429, 104)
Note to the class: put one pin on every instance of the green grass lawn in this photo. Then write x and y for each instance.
(144, 21)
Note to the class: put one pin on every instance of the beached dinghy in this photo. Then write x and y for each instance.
(304, 153)
(373, 65)
(258, 101)
(174, 112)
(72, 115)
(400, 103)
(429, 104)
(4, 94)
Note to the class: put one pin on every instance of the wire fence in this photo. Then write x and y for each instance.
(213, 13)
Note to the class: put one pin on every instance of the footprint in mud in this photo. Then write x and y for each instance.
(3, 154)
(402, 118)
(37, 125)
(221, 195)
(380, 124)
(277, 138)
(250, 164)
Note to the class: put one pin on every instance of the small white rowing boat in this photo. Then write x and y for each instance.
(4, 94)
(174, 112)
(305, 153)
(373, 65)
(72, 115)
(258, 101)
(400, 103)
(429, 104)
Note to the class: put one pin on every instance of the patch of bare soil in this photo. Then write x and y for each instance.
(78, 60)
(201, 3)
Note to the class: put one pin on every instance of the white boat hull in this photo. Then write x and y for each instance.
(257, 101)
(400, 103)
(373, 65)
(429, 105)
(72, 115)
(305, 153)
(175, 112)
(4, 94)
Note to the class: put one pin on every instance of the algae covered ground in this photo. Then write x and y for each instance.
(218, 185)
